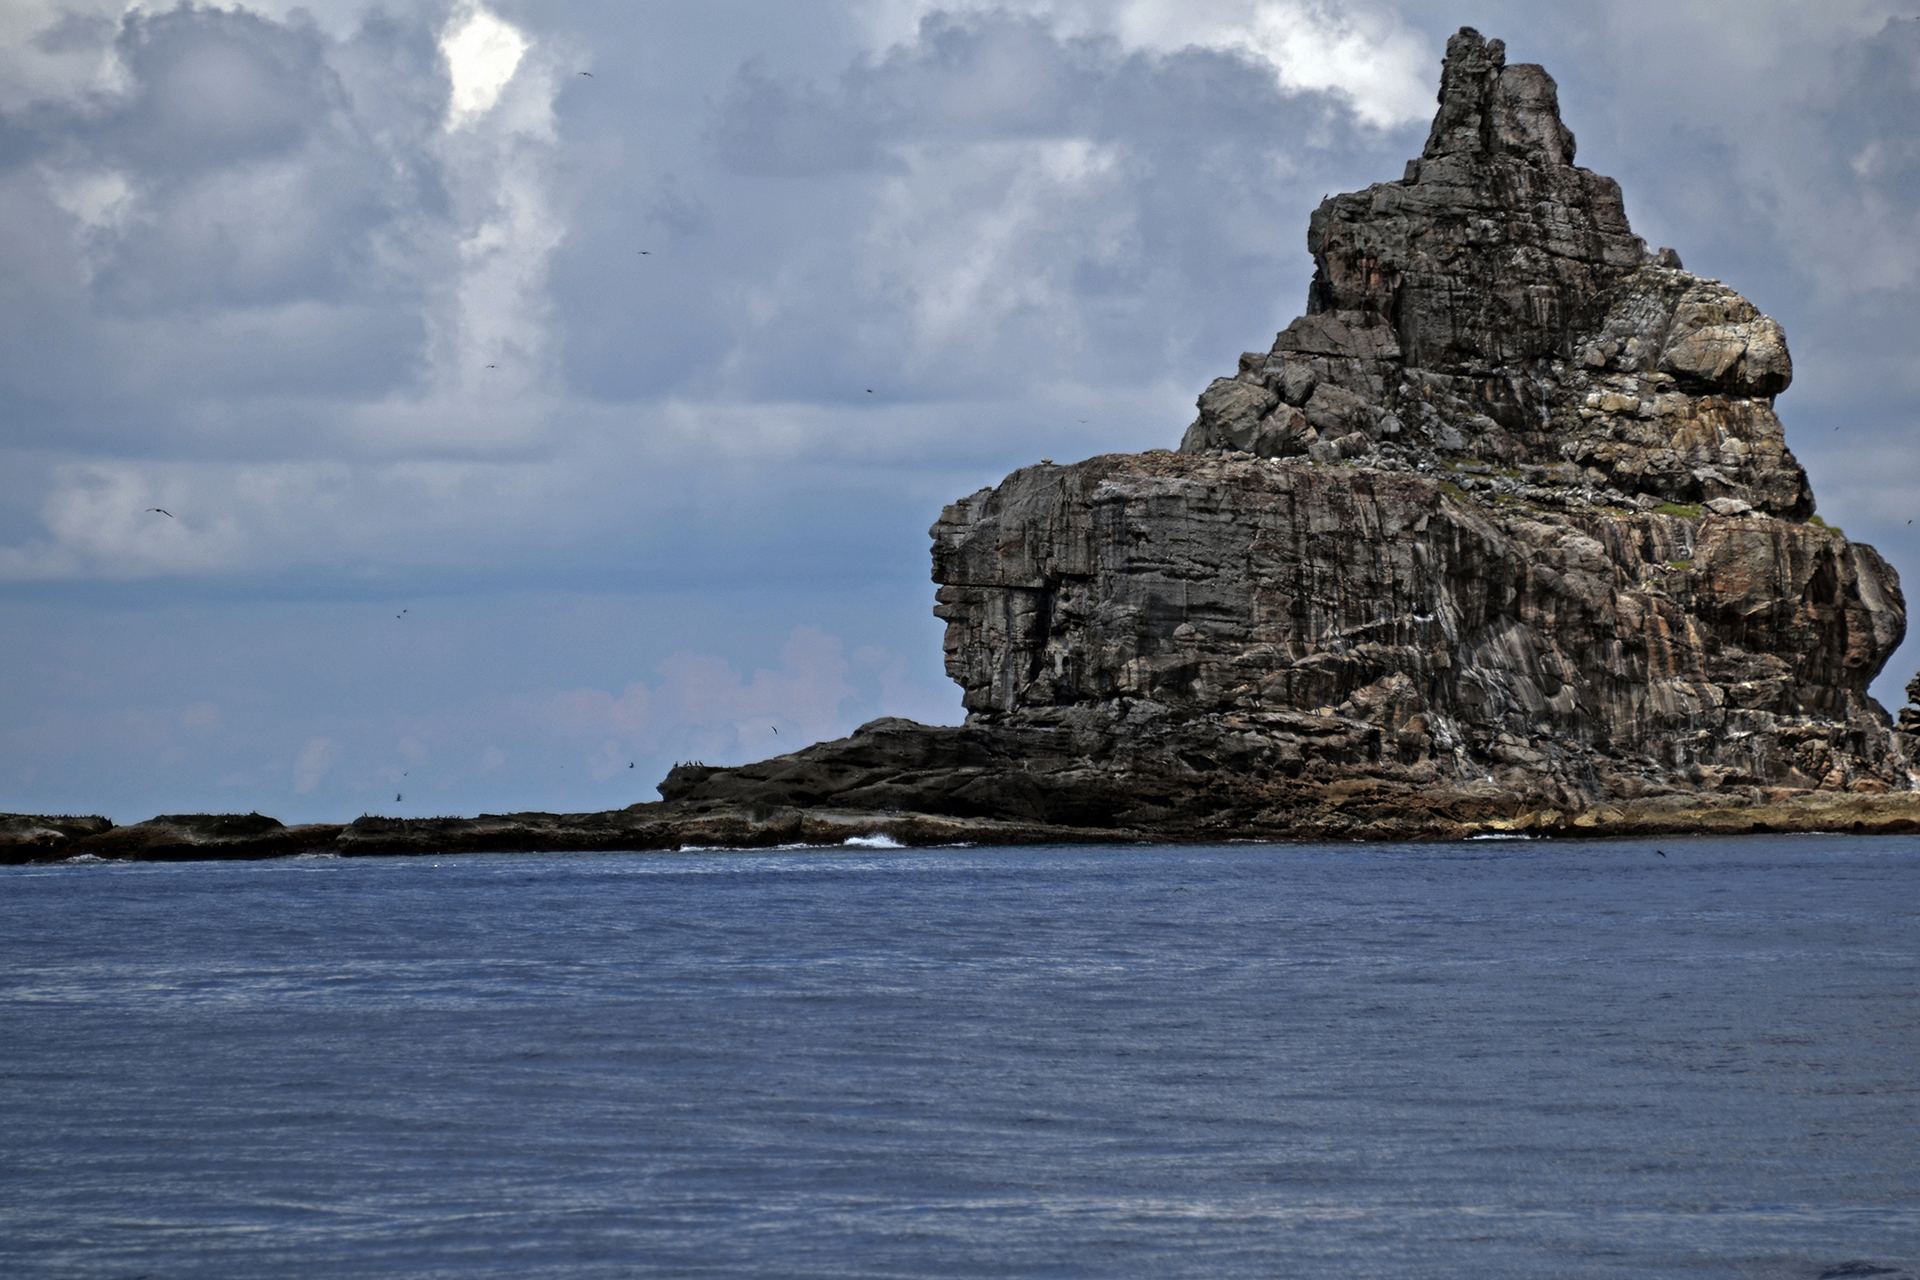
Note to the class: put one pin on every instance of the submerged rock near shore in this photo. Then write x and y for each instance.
(1502, 534)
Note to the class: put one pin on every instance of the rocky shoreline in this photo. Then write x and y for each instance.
(1379, 814)
(1502, 536)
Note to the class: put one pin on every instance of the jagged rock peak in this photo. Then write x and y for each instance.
(1493, 306)
(1494, 247)
(1487, 106)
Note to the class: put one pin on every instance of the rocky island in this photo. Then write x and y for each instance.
(1502, 534)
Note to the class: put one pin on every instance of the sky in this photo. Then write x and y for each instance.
(543, 394)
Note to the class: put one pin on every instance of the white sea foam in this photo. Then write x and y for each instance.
(873, 842)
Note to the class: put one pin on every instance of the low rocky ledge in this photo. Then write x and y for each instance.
(26, 838)
(1005, 793)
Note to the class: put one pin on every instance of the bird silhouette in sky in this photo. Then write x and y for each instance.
(169, 514)
(1661, 852)
(645, 252)
(869, 390)
(396, 797)
(774, 727)
(629, 764)
(587, 74)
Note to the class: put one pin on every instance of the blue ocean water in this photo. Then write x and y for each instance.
(1496, 1059)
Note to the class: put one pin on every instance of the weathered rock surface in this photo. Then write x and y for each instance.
(1506, 522)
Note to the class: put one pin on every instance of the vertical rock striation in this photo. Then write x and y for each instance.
(1507, 514)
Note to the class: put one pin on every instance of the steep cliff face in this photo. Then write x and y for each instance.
(1504, 524)
(1512, 495)
(1571, 651)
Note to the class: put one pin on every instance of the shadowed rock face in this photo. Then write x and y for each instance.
(1507, 514)
(1574, 651)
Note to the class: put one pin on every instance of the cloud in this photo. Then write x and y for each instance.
(261, 188)
(311, 765)
(704, 708)
(1021, 201)
(482, 54)
(591, 711)
(1366, 52)
(325, 325)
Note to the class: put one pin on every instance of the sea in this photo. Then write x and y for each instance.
(1691, 1057)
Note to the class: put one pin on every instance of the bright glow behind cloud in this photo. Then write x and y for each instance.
(482, 54)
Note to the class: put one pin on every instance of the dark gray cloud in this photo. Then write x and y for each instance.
(216, 88)
(238, 219)
(1006, 204)
(1872, 124)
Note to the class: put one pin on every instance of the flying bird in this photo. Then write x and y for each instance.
(396, 797)
(1661, 852)
(587, 74)
(629, 764)
(169, 514)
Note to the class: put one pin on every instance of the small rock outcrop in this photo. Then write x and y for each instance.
(1507, 517)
